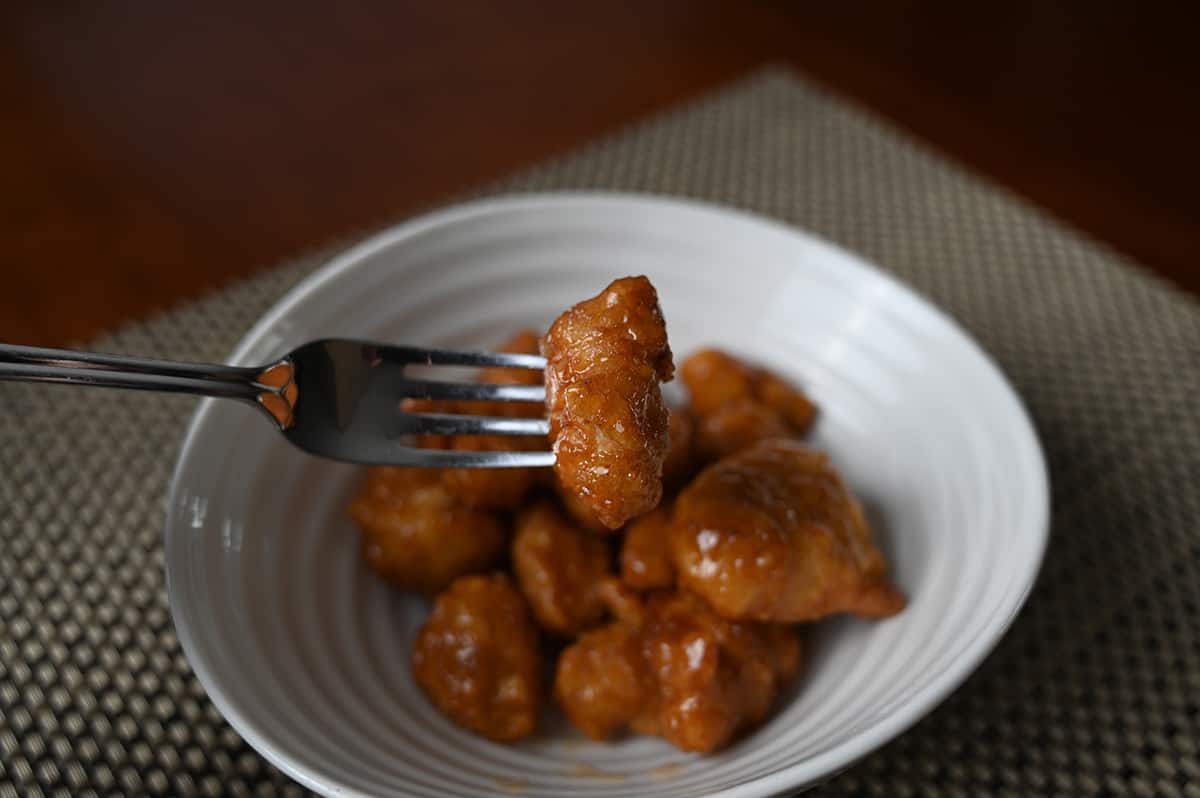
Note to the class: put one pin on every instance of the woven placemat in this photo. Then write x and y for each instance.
(1095, 691)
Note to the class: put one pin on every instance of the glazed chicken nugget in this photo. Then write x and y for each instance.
(477, 658)
(680, 460)
(772, 534)
(715, 677)
(608, 424)
(490, 488)
(737, 404)
(602, 682)
(680, 671)
(646, 551)
(736, 425)
(559, 568)
(623, 602)
(418, 536)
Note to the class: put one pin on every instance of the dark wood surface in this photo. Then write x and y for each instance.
(152, 151)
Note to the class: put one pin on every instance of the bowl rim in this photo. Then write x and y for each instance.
(807, 772)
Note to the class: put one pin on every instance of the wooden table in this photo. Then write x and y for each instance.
(153, 151)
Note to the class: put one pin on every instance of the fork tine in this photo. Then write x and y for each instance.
(452, 357)
(454, 458)
(472, 391)
(456, 424)
(412, 456)
(417, 457)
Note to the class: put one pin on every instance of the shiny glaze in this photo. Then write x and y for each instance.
(559, 568)
(417, 535)
(737, 405)
(679, 671)
(772, 534)
(477, 658)
(606, 358)
(646, 551)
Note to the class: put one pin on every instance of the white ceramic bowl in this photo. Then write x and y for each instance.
(306, 653)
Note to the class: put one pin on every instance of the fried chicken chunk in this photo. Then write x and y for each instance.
(738, 405)
(646, 551)
(559, 568)
(608, 423)
(477, 658)
(680, 671)
(680, 461)
(490, 488)
(419, 536)
(602, 682)
(772, 534)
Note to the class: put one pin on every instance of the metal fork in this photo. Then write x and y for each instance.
(333, 398)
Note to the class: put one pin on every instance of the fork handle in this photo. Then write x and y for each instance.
(67, 367)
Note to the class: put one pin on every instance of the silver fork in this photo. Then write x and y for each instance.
(333, 398)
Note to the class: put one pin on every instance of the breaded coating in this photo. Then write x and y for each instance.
(623, 602)
(490, 488)
(682, 672)
(559, 568)
(737, 405)
(579, 509)
(736, 425)
(602, 682)
(715, 677)
(477, 658)
(608, 424)
(772, 534)
(418, 536)
(646, 551)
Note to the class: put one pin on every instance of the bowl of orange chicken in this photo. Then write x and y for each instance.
(793, 506)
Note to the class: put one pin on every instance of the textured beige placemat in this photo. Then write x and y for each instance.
(1095, 691)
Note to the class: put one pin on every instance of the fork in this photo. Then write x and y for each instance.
(334, 398)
